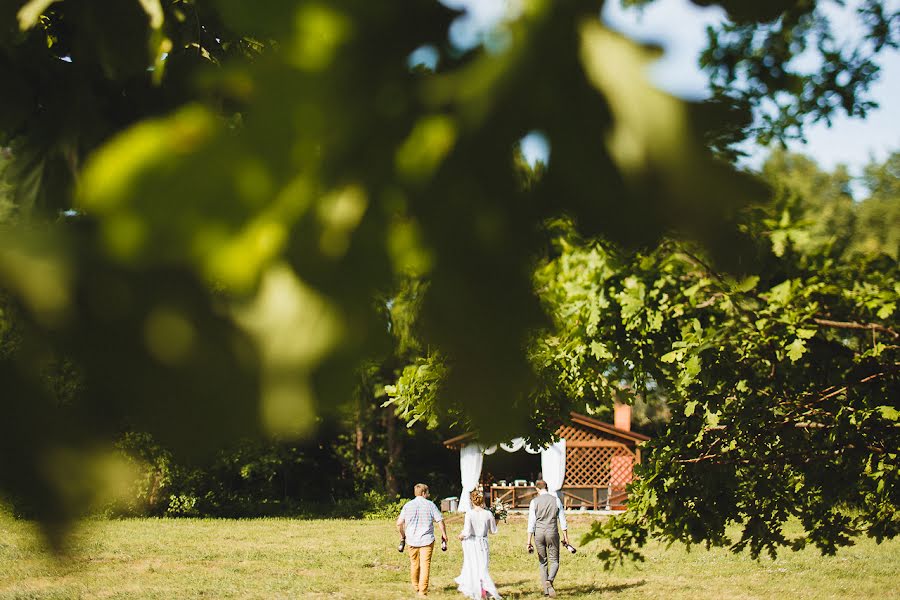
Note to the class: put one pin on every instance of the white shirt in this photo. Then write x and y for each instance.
(561, 515)
(419, 515)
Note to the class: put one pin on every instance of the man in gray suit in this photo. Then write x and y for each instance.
(545, 517)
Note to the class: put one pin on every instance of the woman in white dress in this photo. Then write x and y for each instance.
(475, 581)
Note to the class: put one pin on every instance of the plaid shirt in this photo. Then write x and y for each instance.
(419, 515)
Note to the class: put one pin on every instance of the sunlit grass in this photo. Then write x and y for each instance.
(285, 558)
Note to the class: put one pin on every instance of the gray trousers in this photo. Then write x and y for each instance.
(546, 542)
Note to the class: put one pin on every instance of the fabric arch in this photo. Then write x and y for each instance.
(471, 459)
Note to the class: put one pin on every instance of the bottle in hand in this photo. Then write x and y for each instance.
(402, 545)
(443, 545)
(570, 547)
(530, 549)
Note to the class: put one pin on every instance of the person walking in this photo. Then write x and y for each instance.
(545, 517)
(475, 580)
(416, 527)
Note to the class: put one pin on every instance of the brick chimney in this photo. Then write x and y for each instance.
(622, 416)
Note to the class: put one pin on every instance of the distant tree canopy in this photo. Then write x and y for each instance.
(246, 179)
(825, 215)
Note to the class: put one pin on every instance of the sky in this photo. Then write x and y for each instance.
(679, 27)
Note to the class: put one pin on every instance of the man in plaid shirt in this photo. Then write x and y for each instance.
(416, 527)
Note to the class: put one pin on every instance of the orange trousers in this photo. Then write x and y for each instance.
(420, 566)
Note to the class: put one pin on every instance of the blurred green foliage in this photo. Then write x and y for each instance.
(210, 194)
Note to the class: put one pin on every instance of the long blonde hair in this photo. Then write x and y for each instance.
(477, 498)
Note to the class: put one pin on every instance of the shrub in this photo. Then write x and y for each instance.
(159, 479)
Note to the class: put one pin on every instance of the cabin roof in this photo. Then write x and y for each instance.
(575, 418)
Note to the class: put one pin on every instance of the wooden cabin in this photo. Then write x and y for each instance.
(600, 459)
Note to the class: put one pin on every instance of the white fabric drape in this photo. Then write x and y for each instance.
(514, 445)
(490, 450)
(517, 444)
(553, 465)
(470, 459)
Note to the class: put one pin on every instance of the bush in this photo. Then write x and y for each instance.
(381, 506)
(159, 481)
(370, 505)
(182, 505)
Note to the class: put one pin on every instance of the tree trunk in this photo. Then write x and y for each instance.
(393, 452)
(359, 434)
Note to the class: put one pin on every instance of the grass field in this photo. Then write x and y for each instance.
(284, 558)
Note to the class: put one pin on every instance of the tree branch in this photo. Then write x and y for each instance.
(832, 391)
(854, 325)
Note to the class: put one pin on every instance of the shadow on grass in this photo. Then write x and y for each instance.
(500, 585)
(609, 589)
(561, 588)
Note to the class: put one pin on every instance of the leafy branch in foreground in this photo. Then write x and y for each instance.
(783, 392)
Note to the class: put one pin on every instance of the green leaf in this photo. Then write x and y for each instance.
(422, 152)
(782, 292)
(779, 242)
(29, 14)
(692, 290)
(689, 408)
(785, 219)
(599, 351)
(631, 298)
(889, 412)
(747, 284)
(796, 350)
(673, 356)
(692, 367)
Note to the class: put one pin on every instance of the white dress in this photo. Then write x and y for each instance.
(476, 555)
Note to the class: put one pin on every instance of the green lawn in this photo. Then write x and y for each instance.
(284, 558)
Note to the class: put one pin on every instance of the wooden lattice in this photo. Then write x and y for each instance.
(598, 465)
(573, 433)
(594, 459)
